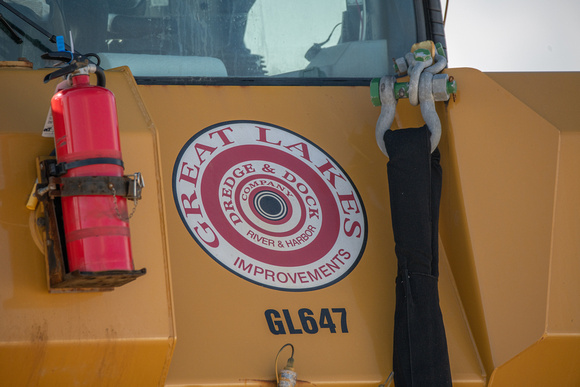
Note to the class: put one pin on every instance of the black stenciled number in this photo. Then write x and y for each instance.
(342, 311)
(279, 325)
(326, 320)
(308, 322)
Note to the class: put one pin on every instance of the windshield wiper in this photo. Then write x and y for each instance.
(9, 30)
(30, 22)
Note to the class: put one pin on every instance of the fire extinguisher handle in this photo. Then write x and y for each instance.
(75, 62)
(63, 56)
(60, 72)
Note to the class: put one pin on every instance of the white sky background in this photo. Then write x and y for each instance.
(513, 35)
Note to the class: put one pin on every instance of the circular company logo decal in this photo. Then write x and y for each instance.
(269, 205)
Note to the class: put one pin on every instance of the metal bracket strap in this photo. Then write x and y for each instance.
(129, 187)
(62, 168)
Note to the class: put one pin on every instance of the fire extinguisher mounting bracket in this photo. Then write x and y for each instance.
(125, 186)
(49, 190)
(128, 186)
(102, 280)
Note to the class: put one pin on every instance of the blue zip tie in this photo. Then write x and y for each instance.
(60, 43)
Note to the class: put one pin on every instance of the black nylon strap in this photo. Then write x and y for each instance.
(62, 168)
(420, 354)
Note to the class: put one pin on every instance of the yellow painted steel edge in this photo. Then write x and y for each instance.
(552, 361)
(65, 333)
(536, 135)
(85, 362)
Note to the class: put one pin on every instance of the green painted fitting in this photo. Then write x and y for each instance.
(451, 87)
(401, 90)
(439, 49)
(375, 91)
(422, 55)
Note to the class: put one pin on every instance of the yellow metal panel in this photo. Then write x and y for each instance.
(466, 365)
(509, 246)
(223, 335)
(506, 159)
(551, 95)
(456, 240)
(515, 179)
(124, 337)
(110, 362)
(552, 361)
(563, 306)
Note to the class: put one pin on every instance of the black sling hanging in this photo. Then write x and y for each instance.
(420, 357)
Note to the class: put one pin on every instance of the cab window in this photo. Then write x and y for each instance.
(297, 39)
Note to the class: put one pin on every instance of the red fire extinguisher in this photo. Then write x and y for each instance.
(96, 227)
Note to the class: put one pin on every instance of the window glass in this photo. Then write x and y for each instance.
(220, 38)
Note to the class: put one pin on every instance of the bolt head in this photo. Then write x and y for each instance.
(440, 87)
